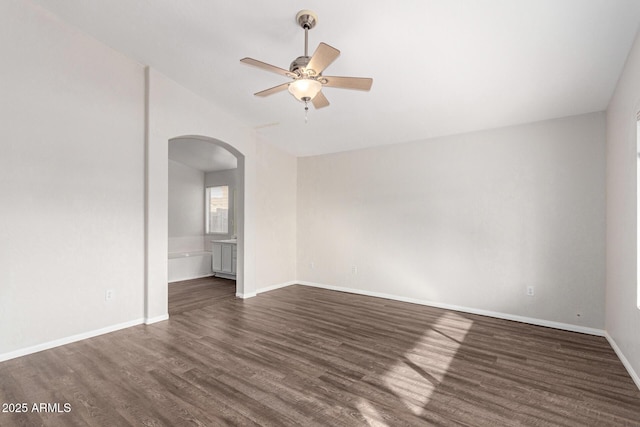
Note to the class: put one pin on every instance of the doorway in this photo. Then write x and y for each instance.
(198, 164)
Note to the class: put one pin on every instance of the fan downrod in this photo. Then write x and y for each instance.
(307, 19)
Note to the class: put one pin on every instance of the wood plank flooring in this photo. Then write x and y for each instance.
(300, 356)
(198, 293)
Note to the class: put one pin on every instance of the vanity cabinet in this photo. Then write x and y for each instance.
(224, 257)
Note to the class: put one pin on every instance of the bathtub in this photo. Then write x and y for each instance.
(189, 265)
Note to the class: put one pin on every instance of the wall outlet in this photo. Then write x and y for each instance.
(530, 291)
(108, 295)
(354, 269)
(312, 265)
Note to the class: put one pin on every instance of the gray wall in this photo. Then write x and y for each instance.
(186, 208)
(469, 220)
(623, 315)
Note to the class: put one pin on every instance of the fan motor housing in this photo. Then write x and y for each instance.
(299, 64)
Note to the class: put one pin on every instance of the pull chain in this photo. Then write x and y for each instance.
(306, 112)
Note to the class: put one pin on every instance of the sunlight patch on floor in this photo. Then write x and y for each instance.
(414, 377)
(370, 414)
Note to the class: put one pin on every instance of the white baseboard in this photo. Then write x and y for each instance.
(68, 340)
(246, 295)
(191, 278)
(498, 315)
(150, 320)
(265, 289)
(624, 360)
(276, 286)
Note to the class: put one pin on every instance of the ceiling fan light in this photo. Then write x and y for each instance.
(304, 88)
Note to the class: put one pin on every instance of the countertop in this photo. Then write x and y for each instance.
(232, 241)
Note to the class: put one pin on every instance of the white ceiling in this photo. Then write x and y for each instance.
(201, 155)
(440, 67)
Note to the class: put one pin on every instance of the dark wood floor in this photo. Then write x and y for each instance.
(300, 356)
(198, 293)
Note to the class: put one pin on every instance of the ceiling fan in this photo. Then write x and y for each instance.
(306, 71)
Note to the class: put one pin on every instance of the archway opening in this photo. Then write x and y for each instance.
(195, 222)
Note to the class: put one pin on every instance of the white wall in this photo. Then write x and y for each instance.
(224, 177)
(85, 186)
(276, 224)
(174, 111)
(623, 315)
(186, 208)
(469, 220)
(71, 179)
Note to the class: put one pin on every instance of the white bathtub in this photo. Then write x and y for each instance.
(189, 265)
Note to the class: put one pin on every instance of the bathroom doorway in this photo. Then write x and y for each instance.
(205, 221)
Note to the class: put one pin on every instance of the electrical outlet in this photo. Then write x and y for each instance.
(530, 291)
(108, 295)
(312, 265)
(354, 269)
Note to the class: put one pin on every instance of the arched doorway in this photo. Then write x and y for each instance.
(196, 141)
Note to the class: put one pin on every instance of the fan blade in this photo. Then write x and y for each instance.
(357, 83)
(320, 101)
(267, 67)
(322, 57)
(272, 90)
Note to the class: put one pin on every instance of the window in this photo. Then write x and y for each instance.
(217, 209)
